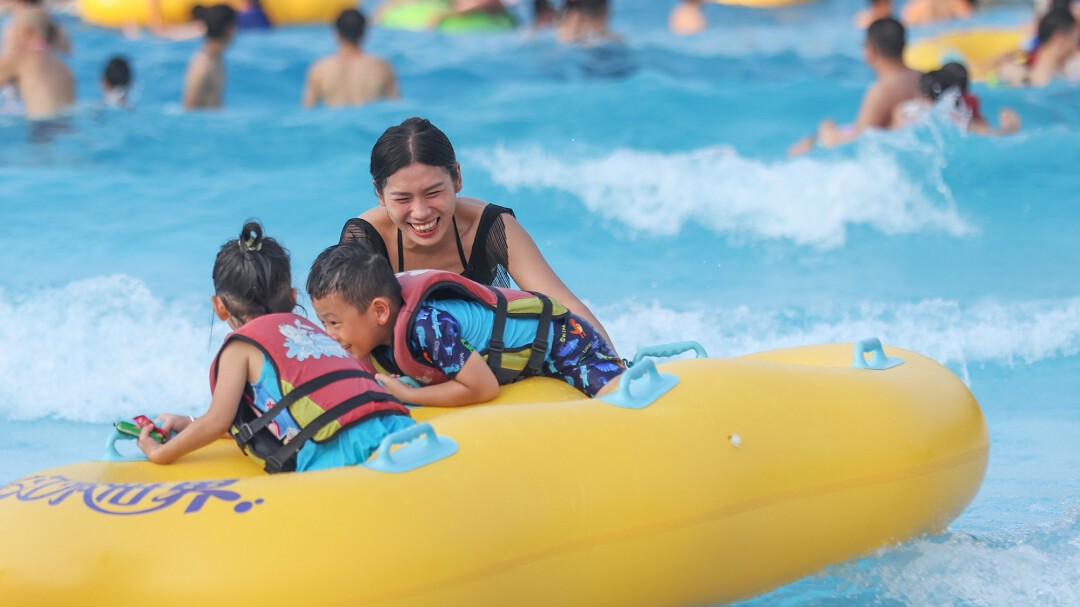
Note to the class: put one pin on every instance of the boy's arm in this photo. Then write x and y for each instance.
(474, 383)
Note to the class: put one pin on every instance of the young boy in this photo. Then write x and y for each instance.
(459, 339)
(116, 83)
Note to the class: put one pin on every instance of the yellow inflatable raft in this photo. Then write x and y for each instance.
(709, 481)
(976, 49)
(123, 13)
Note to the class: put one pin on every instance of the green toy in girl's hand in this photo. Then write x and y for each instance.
(135, 429)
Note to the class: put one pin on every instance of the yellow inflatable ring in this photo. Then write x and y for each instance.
(976, 49)
(717, 479)
(123, 13)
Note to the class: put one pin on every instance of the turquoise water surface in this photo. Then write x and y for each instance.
(652, 175)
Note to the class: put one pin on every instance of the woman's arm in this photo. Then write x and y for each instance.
(475, 383)
(531, 272)
(232, 380)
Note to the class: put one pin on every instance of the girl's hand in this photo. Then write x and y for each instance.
(170, 423)
(148, 445)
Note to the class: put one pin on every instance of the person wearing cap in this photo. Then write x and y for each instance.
(350, 76)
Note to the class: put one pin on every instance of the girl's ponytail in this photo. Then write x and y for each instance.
(252, 275)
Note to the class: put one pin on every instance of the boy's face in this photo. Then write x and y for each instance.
(357, 331)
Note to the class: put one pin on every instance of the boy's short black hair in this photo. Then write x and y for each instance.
(356, 273)
(118, 72)
(351, 25)
(887, 36)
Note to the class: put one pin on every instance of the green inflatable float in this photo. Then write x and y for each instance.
(418, 15)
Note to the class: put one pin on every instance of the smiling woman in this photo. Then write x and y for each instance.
(417, 180)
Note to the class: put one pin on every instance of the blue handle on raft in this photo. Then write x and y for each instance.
(112, 455)
(652, 386)
(672, 349)
(414, 454)
(878, 360)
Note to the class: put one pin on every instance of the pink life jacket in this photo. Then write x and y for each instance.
(323, 389)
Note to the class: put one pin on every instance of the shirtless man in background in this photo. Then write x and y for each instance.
(44, 83)
(896, 83)
(350, 76)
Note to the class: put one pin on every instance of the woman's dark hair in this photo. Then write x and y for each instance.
(414, 140)
(1058, 20)
(218, 18)
(951, 75)
(356, 273)
(252, 275)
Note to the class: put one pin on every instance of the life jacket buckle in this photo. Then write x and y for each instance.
(244, 433)
(273, 464)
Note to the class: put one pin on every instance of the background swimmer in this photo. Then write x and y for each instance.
(204, 84)
(351, 76)
(44, 83)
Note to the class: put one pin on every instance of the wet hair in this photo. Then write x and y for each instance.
(887, 37)
(592, 8)
(1057, 21)
(951, 75)
(350, 25)
(219, 19)
(252, 275)
(543, 9)
(118, 72)
(414, 140)
(356, 273)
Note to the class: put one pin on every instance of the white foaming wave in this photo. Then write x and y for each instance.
(946, 331)
(1033, 567)
(101, 349)
(808, 201)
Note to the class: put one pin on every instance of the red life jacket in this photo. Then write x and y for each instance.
(509, 365)
(323, 388)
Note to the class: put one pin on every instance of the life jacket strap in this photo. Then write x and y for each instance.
(246, 430)
(541, 344)
(498, 329)
(285, 455)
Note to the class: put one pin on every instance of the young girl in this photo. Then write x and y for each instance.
(286, 391)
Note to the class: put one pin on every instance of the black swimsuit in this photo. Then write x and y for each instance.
(489, 258)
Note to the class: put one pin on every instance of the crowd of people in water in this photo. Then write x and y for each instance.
(37, 81)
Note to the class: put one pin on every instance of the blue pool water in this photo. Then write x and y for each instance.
(654, 178)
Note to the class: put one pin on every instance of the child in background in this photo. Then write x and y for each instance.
(687, 18)
(204, 84)
(268, 377)
(116, 83)
(952, 80)
(459, 339)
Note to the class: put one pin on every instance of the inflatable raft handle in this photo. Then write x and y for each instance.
(654, 384)
(413, 455)
(112, 455)
(672, 349)
(878, 361)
